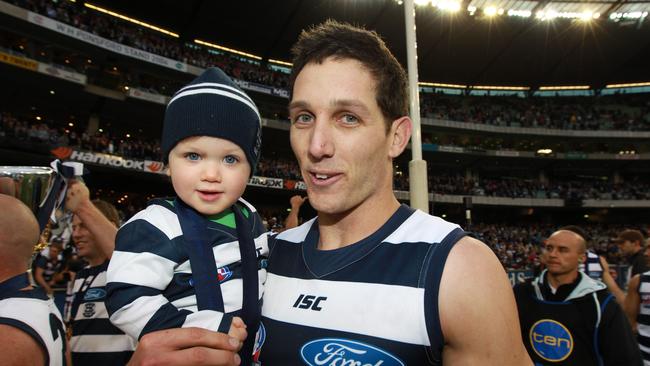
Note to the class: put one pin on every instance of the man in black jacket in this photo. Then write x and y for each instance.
(568, 318)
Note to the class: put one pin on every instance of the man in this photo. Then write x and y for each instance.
(95, 341)
(591, 266)
(47, 267)
(568, 318)
(31, 329)
(637, 307)
(630, 243)
(371, 281)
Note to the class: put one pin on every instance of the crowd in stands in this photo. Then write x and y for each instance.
(520, 246)
(451, 183)
(573, 113)
(153, 42)
(457, 184)
(627, 113)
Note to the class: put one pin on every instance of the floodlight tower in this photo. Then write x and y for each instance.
(418, 184)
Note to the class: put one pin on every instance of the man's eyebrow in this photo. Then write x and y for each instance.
(349, 103)
(299, 104)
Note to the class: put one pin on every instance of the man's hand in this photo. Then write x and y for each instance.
(76, 195)
(188, 346)
(297, 201)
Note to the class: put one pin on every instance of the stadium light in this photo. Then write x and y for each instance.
(627, 85)
(132, 20)
(227, 49)
(565, 87)
(490, 11)
(284, 63)
(443, 85)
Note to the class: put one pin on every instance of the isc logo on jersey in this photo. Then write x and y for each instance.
(551, 340)
(333, 352)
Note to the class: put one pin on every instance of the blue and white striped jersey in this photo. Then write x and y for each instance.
(150, 284)
(592, 267)
(95, 341)
(643, 318)
(373, 302)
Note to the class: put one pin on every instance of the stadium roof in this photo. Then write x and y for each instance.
(485, 42)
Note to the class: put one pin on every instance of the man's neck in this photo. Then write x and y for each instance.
(337, 231)
(95, 261)
(557, 280)
(7, 273)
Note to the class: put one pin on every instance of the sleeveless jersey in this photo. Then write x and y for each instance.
(370, 303)
(592, 267)
(561, 332)
(95, 341)
(34, 313)
(643, 319)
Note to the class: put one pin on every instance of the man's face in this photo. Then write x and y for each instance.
(54, 252)
(563, 252)
(626, 247)
(83, 239)
(338, 135)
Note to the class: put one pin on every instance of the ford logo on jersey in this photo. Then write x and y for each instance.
(94, 294)
(551, 340)
(223, 273)
(334, 352)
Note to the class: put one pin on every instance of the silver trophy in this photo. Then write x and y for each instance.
(42, 189)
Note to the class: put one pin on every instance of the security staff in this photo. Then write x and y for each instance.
(568, 318)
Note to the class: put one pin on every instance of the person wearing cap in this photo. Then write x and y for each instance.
(630, 243)
(568, 318)
(198, 259)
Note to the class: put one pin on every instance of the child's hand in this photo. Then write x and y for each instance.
(238, 329)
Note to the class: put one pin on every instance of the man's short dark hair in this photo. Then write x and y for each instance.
(108, 210)
(345, 41)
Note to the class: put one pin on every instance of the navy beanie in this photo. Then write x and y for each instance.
(213, 105)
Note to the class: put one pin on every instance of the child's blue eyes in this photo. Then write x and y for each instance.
(192, 156)
(230, 159)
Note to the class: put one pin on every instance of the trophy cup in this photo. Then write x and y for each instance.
(42, 189)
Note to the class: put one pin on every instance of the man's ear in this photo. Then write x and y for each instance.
(400, 134)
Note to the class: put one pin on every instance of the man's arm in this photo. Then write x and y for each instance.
(104, 231)
(19, 348)
(38, 275)
(187, 346)
(612, 286)
(618, 346)
(292, 219)
(632, 301)
(478, 314)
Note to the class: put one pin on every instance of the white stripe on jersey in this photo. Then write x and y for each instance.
(102, 343)
(92, 281)
(141, 269)
(133, 322)
(421, 227)
(36, 314)
(400, 318)
(208, 319)
(297, 234)
(162, 218)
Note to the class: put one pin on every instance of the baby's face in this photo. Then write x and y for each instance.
(208, 173)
